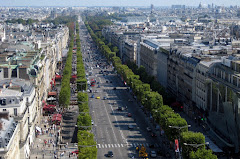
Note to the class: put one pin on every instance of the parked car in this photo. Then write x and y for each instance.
(92, 122)
(92, 96)
(104, 98)
(110, 154)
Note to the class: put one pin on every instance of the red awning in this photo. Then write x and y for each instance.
(57, 115)
(58, 77)
(74, 76)
(52, 93)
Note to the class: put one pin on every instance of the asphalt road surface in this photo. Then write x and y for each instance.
(111, 126)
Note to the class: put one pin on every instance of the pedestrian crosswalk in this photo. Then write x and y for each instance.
(102, 146)
(112, 91)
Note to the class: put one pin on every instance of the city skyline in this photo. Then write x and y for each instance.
(115, 3)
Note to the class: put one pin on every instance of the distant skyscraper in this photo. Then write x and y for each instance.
(152, 8)
(178, 6)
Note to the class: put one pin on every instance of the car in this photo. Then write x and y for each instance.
(120, 108)
(153, 154)
(129, 115)
(153, 135)
(149, 129)
(92, 96)
(110, 154)
(75, 152)
(130, 127)
(97, 97)
(92, 122)
(98, 86)
(104, 98)
(130, 100)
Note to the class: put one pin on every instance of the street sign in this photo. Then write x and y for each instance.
(176, 145)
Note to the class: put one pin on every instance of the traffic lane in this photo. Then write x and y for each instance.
(118, 97)
(105, 132)
(135, 110)
(105, 146)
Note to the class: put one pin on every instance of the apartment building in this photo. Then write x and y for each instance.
(18, 99)
(10, 135)
(223, 101)
(130, 51)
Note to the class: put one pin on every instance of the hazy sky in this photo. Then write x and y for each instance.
(115, 2)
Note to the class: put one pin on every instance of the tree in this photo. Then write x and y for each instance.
(177, 121)
(202, 154)
(191, 138)
(84, 121)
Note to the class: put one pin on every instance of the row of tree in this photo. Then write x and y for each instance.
(81, 80)
(171, 122)
(86, 144)
(61, 20)
(22, 21)
(65, 92)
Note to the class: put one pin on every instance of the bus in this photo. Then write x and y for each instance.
(93, 82)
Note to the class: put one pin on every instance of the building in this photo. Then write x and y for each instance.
(9, 138)
(223, 101)
(130, 51)
(19, 100)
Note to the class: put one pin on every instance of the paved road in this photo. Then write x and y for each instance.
(111, 125)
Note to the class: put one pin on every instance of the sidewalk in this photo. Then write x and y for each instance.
(45, 145)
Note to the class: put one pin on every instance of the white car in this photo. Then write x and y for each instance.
(153, 154)
(92, 122)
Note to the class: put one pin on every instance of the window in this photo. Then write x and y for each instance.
(15, 111)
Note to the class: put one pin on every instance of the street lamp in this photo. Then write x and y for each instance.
(179, 128)
(196, 145)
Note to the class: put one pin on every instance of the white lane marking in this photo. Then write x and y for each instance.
(99, 145)
(122, 145)
(121, 133)
(118, 145)
(115, 145)
(147, 144)
(109, 145)
(106, 145)
(110, 121)
(102, 146)
(112, 145)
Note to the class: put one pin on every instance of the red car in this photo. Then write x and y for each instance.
(129, 115)
(76, 152)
